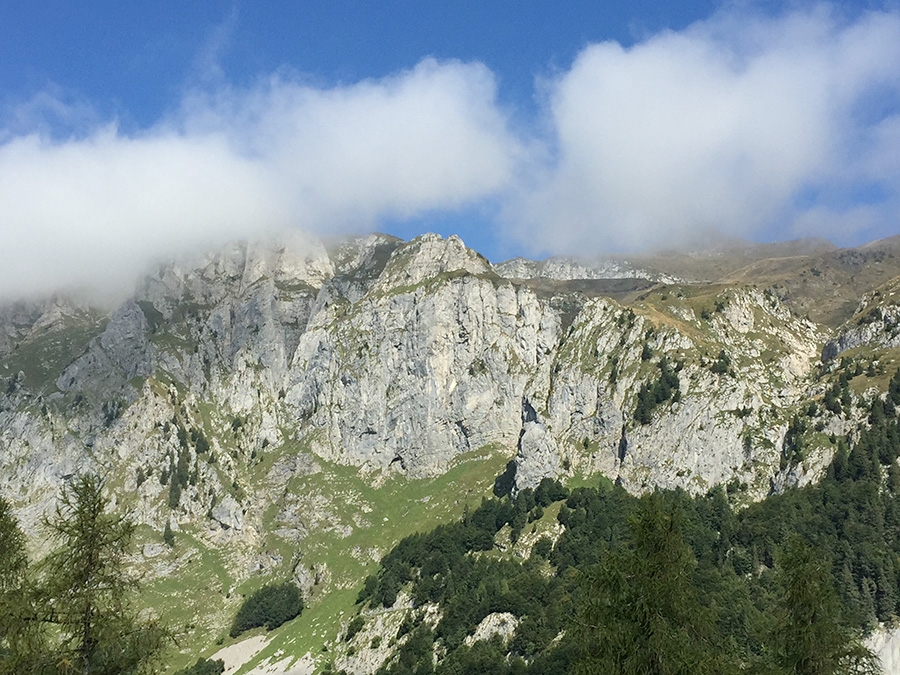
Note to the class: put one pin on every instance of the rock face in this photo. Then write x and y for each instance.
(876, 323)
(392, 357)
(498, 624)
(564, 269)
(886, 645)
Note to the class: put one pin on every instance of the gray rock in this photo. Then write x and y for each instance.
(392, 357)
(228, 513)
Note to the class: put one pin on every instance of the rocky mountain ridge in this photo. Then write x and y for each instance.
(398, 356)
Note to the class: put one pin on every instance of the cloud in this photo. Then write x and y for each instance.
(430, 138)
(741, 125)
(45, 112)
(88, 209)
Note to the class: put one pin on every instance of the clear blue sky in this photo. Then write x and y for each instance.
(570, 127)
(134, 58)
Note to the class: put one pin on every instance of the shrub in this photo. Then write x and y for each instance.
(722, 364)
(200, 442)
(174, 491)
(548, 491)
(354, 627)
(666, 388)
(204, 667)
(542, 548)
(270, 606)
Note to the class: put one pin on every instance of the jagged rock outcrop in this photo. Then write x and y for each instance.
(877, 323)
(427, 365)
(498, 624)
(538, 454)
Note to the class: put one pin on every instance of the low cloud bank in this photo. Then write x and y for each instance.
(88, 210)
(739, 125)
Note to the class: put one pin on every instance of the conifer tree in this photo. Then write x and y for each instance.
(88, 585)
(12, 549)
(809, 637)
(74, 614)
(15, 633)
(641, 613)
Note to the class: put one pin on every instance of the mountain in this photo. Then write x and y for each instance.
(293, 407)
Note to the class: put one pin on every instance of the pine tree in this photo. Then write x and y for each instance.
(168, 535)
(12, 549)
(642, 613)
(15, 633)
(86, 588)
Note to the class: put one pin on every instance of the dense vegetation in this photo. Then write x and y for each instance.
(270, 606)
(664, 388)
(665, 583)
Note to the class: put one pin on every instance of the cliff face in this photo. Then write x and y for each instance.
(396, 358)
(876, 323)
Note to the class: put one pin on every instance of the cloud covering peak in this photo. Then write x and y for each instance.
(236, 163)
(741, 125)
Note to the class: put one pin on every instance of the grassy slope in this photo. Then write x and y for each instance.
(43, 355)
(357, 524)
(825, 284)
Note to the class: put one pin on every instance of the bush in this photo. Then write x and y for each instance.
(722, 364)
(549, 491)
(354, 627)
(666, 388)
(270, 606)
(542, 548)
(200, 442)
(204, 667)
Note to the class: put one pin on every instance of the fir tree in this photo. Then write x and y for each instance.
(642, 613)
(16, 633)
(809, 638)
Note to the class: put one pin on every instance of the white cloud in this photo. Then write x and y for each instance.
(232, 163)
(99, 210)
(738, 124)
(431, 138)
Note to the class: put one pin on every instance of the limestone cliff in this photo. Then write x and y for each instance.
(396, 358)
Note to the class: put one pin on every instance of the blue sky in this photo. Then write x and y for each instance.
(135, 59)
(132, 130)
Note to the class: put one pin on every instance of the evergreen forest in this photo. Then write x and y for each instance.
(663, 583)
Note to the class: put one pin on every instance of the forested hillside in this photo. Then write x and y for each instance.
(691, 584)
